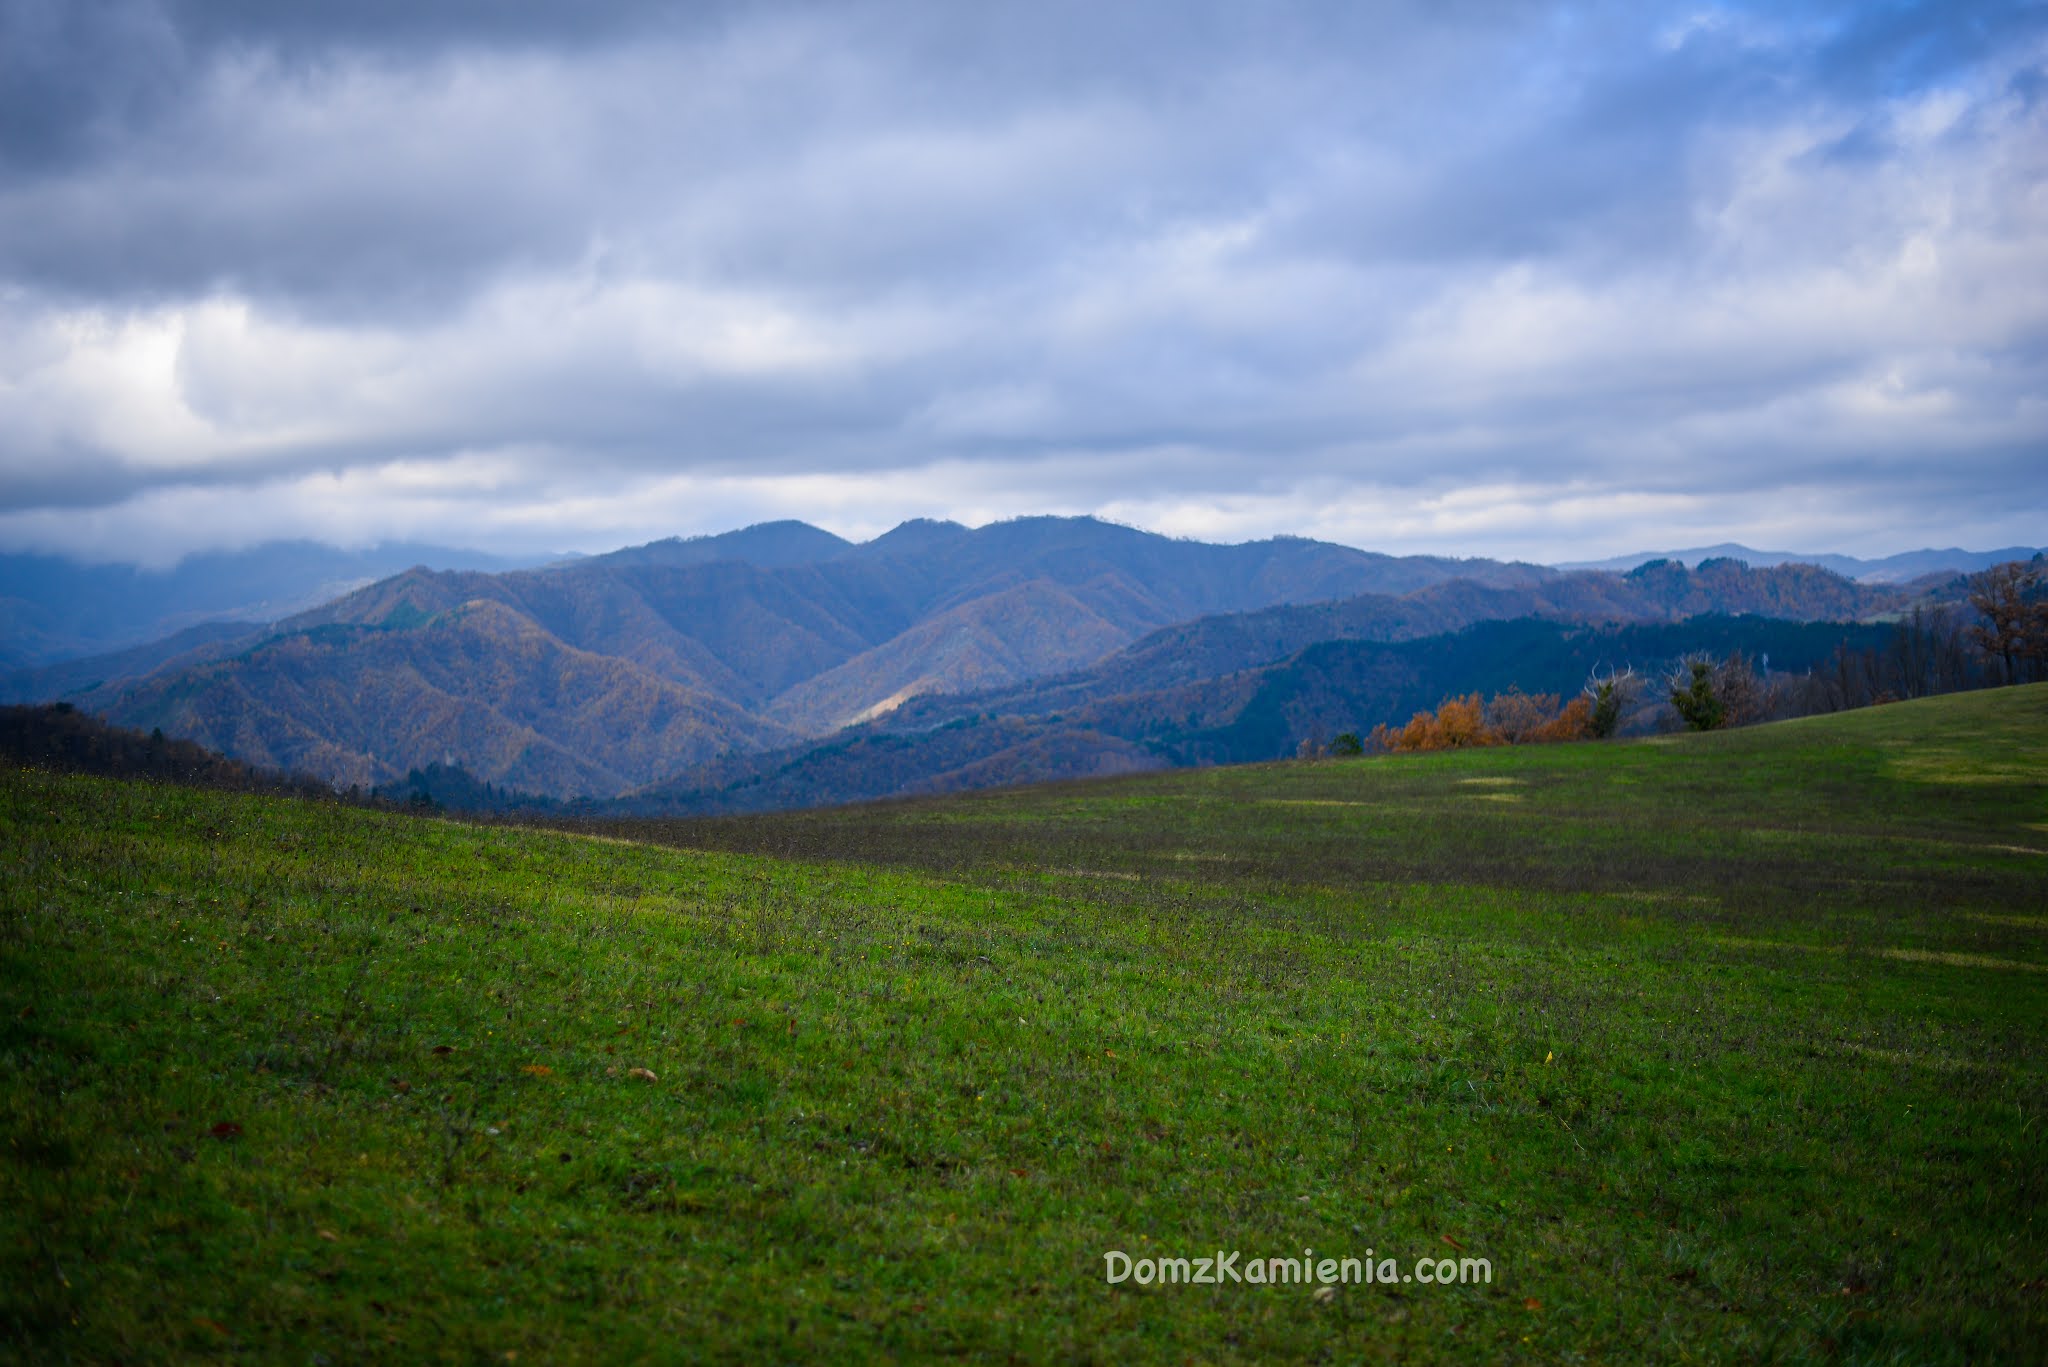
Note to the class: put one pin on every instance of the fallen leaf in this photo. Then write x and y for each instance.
(444, 1048)
(538, 1070)
(1019, 1172)
(1532, 1304)
(25, 1013)
(642, 1074)
(329, 1235)
(1325, 1294)
(226, 1129)
(1452, 1242)
(215, 1325)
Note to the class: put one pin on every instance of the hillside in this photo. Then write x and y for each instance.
(61, 739)
(622, 672)
(1752, 1022)
(478, 684)
(1245, 715)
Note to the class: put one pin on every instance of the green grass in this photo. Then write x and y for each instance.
(1723, 1048)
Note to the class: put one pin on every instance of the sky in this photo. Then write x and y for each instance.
(1550, 281)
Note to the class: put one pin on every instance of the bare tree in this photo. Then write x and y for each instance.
(2010, 613)
(1744, 693)
(1610, 695)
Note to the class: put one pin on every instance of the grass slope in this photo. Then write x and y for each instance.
(1723, 1048)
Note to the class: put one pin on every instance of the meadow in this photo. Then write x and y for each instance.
(1718, 1048)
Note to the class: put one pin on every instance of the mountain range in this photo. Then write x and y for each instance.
(1104, 721)
(1891, 569)
(682, 666)
(612, 672)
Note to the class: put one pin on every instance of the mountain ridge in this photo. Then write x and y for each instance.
(1898, 568)
(754, 655)
(611, 674)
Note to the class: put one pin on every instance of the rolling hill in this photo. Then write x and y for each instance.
(1755, 1024)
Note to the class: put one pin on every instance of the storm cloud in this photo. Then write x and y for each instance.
(1553, 281)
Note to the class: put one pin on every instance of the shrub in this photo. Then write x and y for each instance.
(1692, 694)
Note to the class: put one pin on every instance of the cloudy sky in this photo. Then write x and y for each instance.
(1511, 278)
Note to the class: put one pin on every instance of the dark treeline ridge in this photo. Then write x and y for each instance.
(59, 737)
(450, 787)
(63, 739)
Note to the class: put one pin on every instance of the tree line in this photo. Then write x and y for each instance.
(1996, 635)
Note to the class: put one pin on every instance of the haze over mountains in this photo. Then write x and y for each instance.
(54, 609)
(1033, 648)
(1890, 569)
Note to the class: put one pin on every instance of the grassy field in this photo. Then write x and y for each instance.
(1721, 1048)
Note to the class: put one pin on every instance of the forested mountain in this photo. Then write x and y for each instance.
(1218, 646)
(1252, 714)
(616, 671)
(612, 673)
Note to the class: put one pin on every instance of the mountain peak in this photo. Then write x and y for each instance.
(918, 534)
(767, 545)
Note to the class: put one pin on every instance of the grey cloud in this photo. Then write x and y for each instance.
(1203, 246)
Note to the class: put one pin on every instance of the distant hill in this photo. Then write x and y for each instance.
(477, 684)
(1219, 646)
(1070, 729)
(1891, 569)
(73, 678)
(53, 608)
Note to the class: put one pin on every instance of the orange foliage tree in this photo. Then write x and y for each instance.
(1511, 718)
